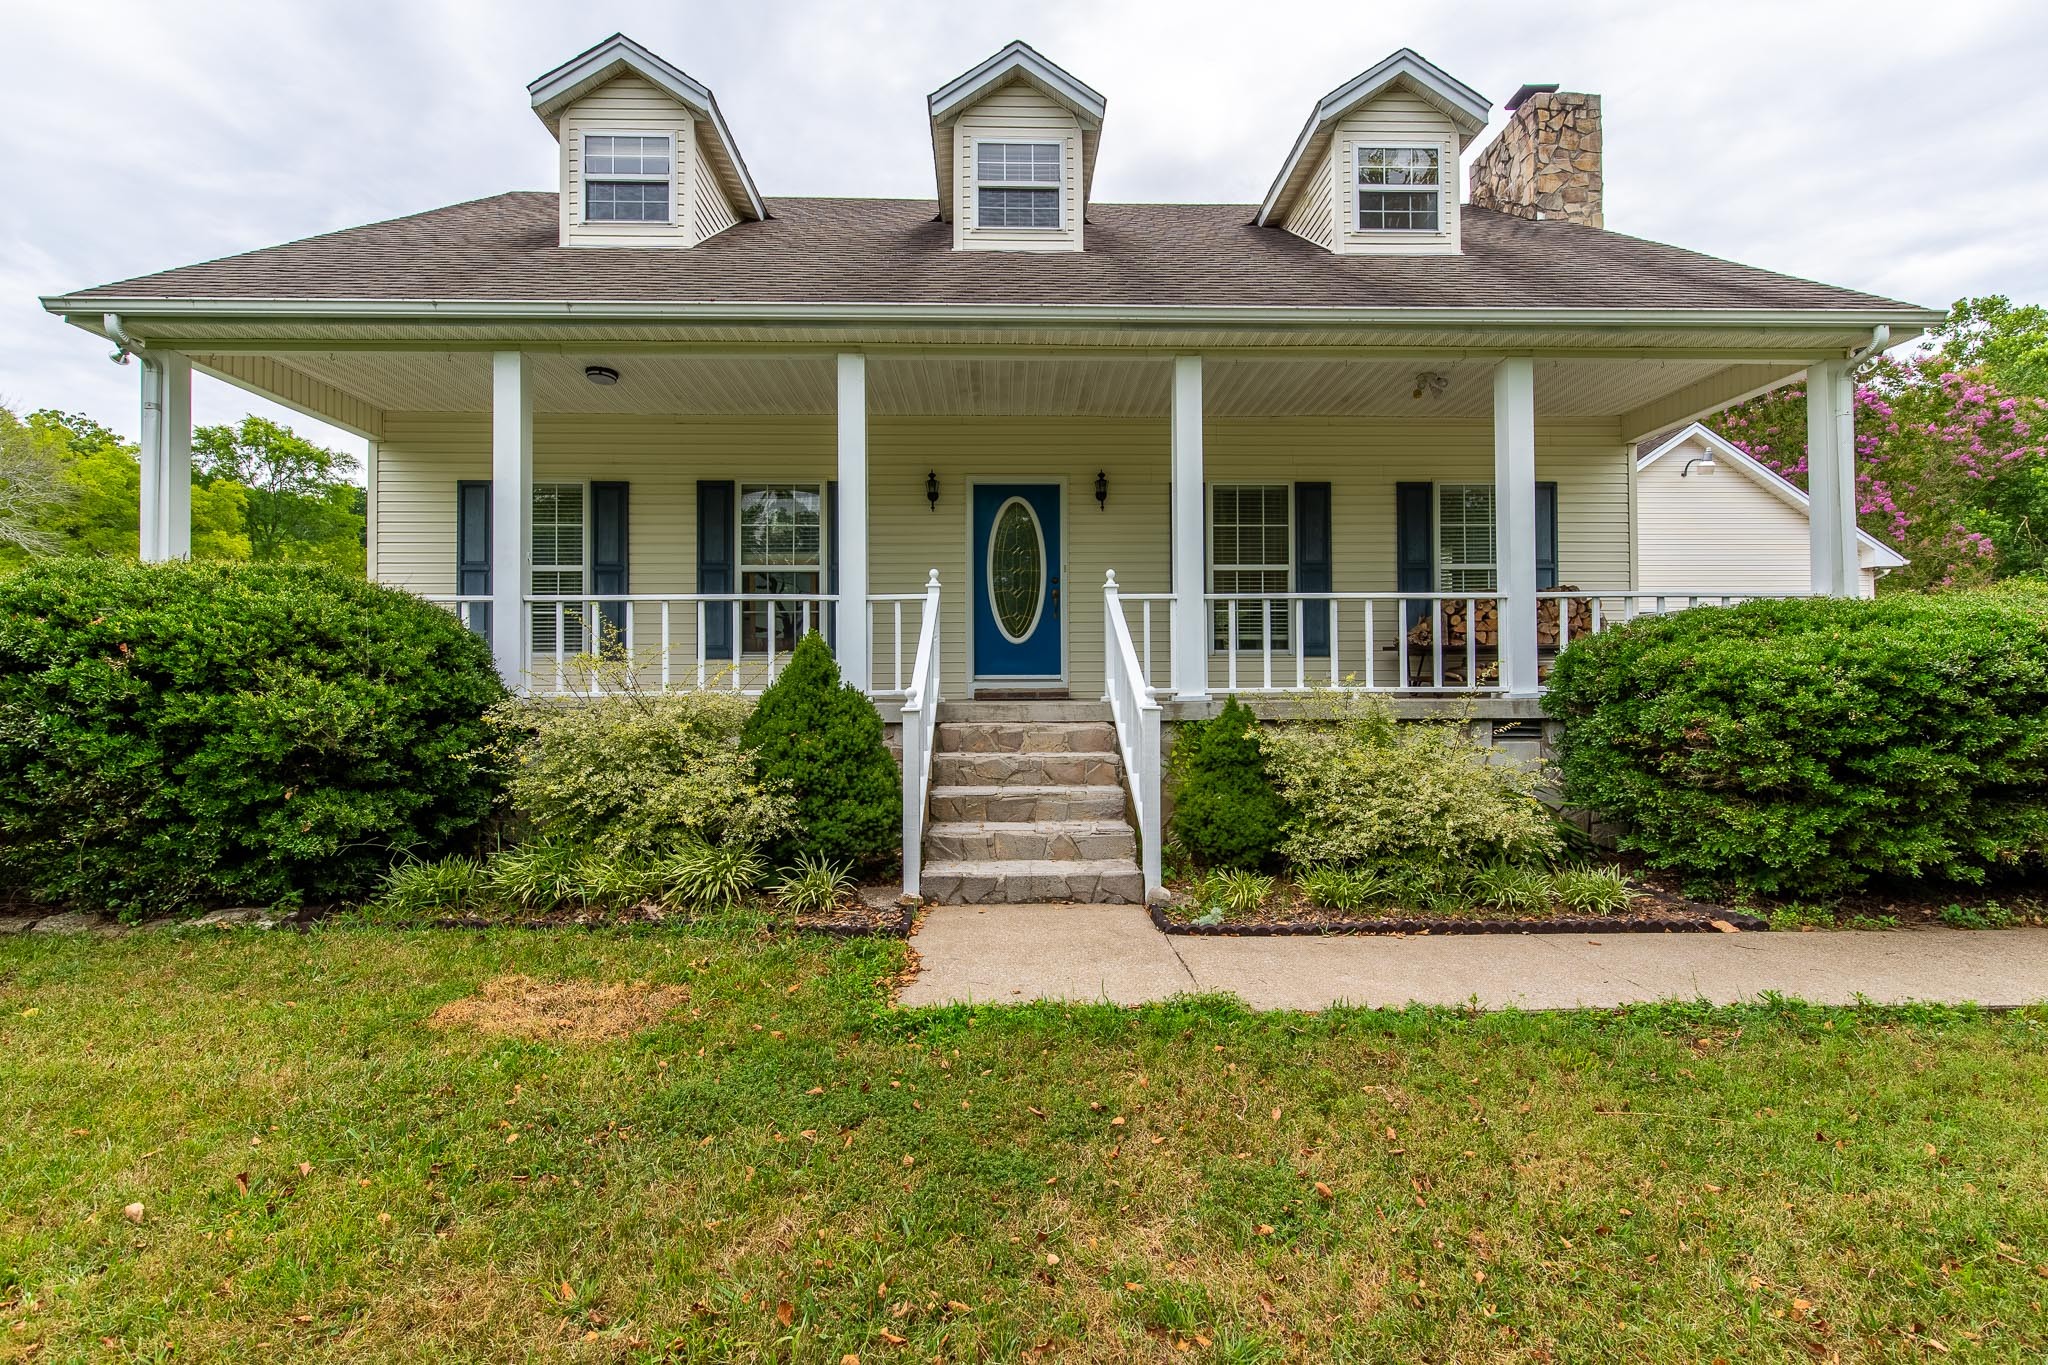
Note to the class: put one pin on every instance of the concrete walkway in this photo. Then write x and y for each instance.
(1009, 954)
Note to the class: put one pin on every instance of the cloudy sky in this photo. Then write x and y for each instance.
(1900, 148)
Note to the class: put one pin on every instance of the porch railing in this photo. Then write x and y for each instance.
(1136, 712)
(1394, 642)
(920, 714)
(575, 643)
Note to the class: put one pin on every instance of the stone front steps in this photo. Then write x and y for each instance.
(1026, 810)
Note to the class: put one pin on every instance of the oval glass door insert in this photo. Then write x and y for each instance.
(1016, 570)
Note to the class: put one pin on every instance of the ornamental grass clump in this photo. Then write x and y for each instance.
(813, 886)
(1416, 800)
(1806, 747)
(821, 741)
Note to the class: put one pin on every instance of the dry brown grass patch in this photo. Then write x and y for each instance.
(518, 1006)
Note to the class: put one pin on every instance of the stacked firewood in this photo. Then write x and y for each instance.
(1485, 628)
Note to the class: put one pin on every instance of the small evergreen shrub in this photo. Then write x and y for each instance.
(1417, 800)
(1225, 813)
(635, 776)
(822, 741)
(180, 734)
(1804, 747)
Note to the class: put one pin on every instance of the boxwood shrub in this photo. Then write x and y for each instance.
(185, 734)
(1809, 746)
(1225, 812)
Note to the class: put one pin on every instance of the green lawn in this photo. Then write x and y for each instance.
(787, 1169)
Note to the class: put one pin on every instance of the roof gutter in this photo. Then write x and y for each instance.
(1912, 319)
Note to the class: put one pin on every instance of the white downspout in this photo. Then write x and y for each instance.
(124, 345)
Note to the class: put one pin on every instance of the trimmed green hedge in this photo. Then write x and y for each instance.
(182, 734)
(821, 739)
(1804, 747)
(1225, 812)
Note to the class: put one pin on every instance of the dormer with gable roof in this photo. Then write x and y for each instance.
(1013, 143)
(1375, 170)
(646, 158)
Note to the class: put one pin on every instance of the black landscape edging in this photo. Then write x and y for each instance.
(1575, 924)
(894, 922)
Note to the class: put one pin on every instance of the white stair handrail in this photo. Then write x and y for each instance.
(920, 717)
(1137, 715)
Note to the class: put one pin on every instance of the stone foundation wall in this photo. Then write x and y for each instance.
(1546, 162)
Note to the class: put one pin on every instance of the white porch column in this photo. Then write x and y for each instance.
(511, 513)
(1831, 478)
(1514, 520)
(1190, 630)
(852, 645)
(166, 512)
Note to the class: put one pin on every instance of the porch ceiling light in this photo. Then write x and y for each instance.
(602, 375)
(1704, 463)
(1431, 382)
(931, 489)
(1101, 489)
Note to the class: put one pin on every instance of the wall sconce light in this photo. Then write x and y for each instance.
(1705, 464)
(931, 489)
(1101, 490)
(604, 376)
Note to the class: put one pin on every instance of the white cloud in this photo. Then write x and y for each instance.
(1877, 145)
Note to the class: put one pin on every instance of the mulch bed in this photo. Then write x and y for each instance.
(1654, 912)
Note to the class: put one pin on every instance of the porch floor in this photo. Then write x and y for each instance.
(1011, 954)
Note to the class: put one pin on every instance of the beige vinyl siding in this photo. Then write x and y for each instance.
(1016, 113)
(630, 104)
(423, 455)
(1314, 213)
(710, 211)
(1722, 533)
(1396, 119)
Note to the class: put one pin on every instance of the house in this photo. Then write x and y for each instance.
(1746, 533)
(1013, 443)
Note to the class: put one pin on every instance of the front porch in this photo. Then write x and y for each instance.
(1150, 529)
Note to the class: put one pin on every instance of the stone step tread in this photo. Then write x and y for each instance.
(1088, 826)
(959, 789)
(1087, 769)
(1029, 867)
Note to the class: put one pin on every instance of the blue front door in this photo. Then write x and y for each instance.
(1017, 633)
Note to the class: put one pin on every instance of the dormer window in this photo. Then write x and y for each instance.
(627, 178)
(1399, 189)
(1018, 184)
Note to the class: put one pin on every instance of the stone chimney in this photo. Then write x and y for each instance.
(1546, 162)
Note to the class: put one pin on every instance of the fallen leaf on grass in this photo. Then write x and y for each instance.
(1325, 1191)
(242, 1181)
(133, 1213)
(958, 1307)
(1264, 1229)
(892, 1338)
(567, 1292)
(785, 1312)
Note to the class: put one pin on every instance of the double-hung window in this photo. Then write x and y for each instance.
(626, 177)
(1018, 184)
(1399, 189)
(781, 550)
(1251, 544)
(560, 564)
(1464, 538)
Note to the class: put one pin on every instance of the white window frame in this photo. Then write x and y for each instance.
(574, 640)
(1250, 621)
(791, 615)
(1058, 186)
(1442, 565)
(1359, 189)
(674, 181)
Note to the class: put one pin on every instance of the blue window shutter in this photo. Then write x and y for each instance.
(1312, 564)
(716, 547)
(832, 560)
(610, 558)
(473, 549)
(1414, 547)
(1546, 537)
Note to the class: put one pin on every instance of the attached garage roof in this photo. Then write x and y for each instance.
(895, 251)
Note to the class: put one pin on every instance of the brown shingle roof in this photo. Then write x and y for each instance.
(895, 251)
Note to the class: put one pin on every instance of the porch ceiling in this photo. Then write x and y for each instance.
(938, 384)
